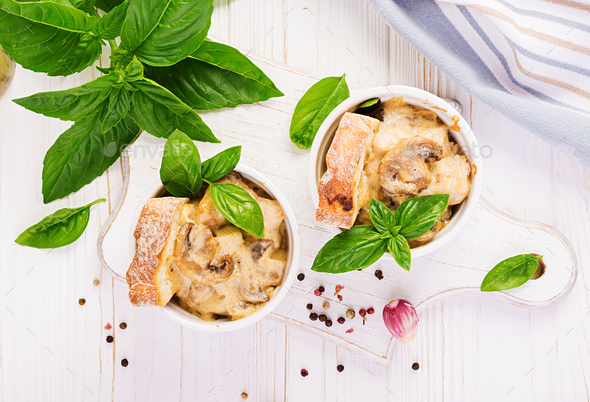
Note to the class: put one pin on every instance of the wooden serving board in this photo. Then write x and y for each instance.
(455, 270)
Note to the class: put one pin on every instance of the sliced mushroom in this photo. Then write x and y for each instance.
(404, 170)
(259, 247)
(253, 293)
(199, 257)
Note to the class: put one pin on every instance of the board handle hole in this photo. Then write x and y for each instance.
(540, 269)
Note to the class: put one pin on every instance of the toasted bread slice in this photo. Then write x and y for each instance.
(150, 279)
(342, 189)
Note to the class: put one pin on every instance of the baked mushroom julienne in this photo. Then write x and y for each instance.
(395, 152)
(186, 249)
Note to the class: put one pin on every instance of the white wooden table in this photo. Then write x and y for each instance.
(53, 349)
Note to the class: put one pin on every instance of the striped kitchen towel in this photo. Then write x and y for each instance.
(529, 59)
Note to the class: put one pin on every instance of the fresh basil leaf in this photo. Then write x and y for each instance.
(369, 103)
(238, 207)
(161, 33)
(159, 112)
(107, 5)
(85, 5)
(47, 37)
(511, 273)
(59, 229)
(381, 216)
(72, 104)
(118, 107)
(82, 153)
(109, 26)
(400, 250)
(355, 248)
(215, 76)
(221, 164)
(313, 108)
(133, 71)
(417, 215)
(87, 52)
(180, 171)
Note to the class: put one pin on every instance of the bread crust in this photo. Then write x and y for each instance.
(148, 284)
(338, 187)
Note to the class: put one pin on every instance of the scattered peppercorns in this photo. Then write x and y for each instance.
(313, 316)
(301, 276)
(341, 320)
(96, 282)
(82, 301)
(309, 306)
(244, 395)
(362, 312)
(370, 310)
(124, 362)
(317, 292)
(110, 339)
(323, 317)
(340, 368)
(322, 289)
(379, 274)
(326, 305)
(328, 323)
(123, 325)
(415, 366)
(350, 313)
(304, 373)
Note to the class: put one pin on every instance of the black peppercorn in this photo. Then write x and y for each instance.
(301, 276)
(323, 317)
(313, 316)
(341, 320)
(123, 325)
(415, 366)
(124, 363)
(328, 323)
(322, 289)
(304, 373)
(309, 306)
(340, 368)
(379, 274)
(110, 339)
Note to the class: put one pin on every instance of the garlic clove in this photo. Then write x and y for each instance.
(401, 320)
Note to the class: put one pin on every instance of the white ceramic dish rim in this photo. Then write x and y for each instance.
(464, 137)
(175, 313)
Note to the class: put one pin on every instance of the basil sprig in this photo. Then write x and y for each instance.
(183, 174)
(161, 70)
(313, 108)
(361, 246)
(59, 229)
(511, 273)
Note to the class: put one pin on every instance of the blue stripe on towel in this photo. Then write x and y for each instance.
(548, 17)
(548, 60)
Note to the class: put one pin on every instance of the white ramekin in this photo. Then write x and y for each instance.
(414, 96)
(174, 312)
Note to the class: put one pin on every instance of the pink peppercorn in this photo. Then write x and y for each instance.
(371, 310)
(317, 292)
(362, 312)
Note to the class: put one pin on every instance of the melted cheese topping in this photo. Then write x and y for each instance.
(258, 264)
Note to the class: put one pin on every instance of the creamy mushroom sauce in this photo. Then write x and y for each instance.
(412, 154)
(227, 272)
